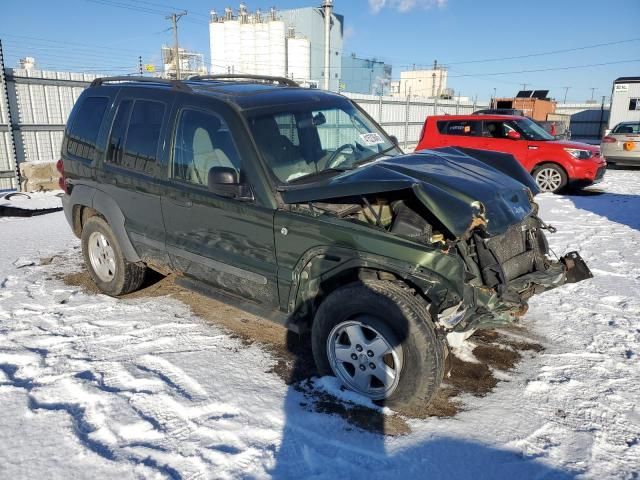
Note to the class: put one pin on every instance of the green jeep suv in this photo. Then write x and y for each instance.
(294, 204)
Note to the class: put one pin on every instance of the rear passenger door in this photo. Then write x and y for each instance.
(131, 165)
(224, 241)
(460, 133)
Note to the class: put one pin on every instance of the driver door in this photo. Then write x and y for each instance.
(494, 138)
(221, 240)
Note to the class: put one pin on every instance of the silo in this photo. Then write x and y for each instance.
(216, 39)
(232, 45)
(277, 46)
(247, 48)
(262, 57)
(299, 59)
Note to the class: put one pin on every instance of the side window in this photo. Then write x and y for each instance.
(118, 132)
(135, 135)
(634, 104)
(203, 141)
(464, 128)
(495, 129)
(83, 132)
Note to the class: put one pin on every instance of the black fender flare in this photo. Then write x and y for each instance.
(87, 196)
(323, 263)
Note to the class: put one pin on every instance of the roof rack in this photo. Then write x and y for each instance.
(177, 84)
(233, 76)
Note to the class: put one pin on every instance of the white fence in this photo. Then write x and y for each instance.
(588, 120)
(34, 106)
(404, 117)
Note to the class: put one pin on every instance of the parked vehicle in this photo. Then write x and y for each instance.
(499, 111)
(294, 204)
(622, 145)
(554, 164)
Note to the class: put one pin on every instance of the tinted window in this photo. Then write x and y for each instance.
(495, 129)
(634, 104)
(118, 131)
(83, 131)
(137, 148)
(202, 141)
(459, 127)
(633, 128)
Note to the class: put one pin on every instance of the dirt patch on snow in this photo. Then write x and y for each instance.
(294, 361)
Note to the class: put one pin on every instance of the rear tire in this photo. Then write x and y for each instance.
(103, 257)
(377, 315)
(550, 177)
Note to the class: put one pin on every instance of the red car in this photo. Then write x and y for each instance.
(554, 164)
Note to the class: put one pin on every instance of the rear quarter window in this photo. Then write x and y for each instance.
(459, 127)
(82, 131)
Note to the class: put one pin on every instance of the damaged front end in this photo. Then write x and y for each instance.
(505, 270)
(476, 208)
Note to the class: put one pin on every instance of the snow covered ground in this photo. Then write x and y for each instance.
(93, 387)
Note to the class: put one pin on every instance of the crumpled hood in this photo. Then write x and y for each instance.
(454, 186)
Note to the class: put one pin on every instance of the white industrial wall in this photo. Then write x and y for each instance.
(620, 105)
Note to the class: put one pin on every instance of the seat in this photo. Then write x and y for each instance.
(281, 154)
(206, 155)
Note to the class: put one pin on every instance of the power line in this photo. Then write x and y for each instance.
(545, 69)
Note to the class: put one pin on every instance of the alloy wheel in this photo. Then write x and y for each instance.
(548, 179)
(102, 257)
(364, 359)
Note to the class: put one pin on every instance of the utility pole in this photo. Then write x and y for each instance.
(524, 86)
(593, 91)
(327, 5)
(174, 17)
(566, 90)
(140, 64)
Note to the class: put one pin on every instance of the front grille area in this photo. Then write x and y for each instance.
(600, 173)
(518, 251)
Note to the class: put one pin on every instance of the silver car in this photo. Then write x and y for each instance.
(622, 145)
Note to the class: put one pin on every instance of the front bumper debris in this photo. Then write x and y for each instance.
(492, 309)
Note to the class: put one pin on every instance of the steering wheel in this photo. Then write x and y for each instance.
(332, 161)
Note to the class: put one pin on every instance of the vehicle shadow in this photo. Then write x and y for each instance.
(618, 207)
(331, 433)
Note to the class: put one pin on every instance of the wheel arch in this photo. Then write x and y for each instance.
(539, 163)
(324, 270)
(87, 202)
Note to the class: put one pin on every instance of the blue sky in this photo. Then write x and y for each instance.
(92, 34)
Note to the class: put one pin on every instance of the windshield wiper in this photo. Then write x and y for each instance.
(321, 172)
(371, 158)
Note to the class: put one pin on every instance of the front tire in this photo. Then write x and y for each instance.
(550, 177)
(378, 339)
(103, 257)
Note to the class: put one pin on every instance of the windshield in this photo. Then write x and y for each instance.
(306, 142)
(531, 130)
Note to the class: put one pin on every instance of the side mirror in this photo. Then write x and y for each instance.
(394, 140)
(513, 135)
(222, 176)
(224, 181)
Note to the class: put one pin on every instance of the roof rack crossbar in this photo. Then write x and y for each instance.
(177, 84)
(236, 76)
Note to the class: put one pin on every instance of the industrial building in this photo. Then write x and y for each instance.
(422, 83)
(361, 75)
(287, 43)
(191, 63)
(625, 101)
